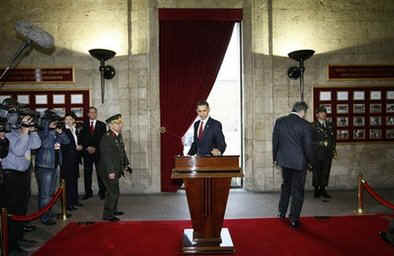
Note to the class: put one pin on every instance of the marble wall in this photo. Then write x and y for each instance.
(340, 31)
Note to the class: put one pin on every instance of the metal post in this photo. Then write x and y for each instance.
(63, 215)
(302, 70)
(360, 195)
(102, 67)
(4, 232)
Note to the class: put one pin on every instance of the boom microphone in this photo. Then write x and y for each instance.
(35, 34)
(32, 34)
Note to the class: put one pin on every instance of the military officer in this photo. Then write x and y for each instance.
(113, 163)
(324, 148)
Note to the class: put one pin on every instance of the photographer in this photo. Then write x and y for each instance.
(48, 159)
(4, 144)
(22, 139)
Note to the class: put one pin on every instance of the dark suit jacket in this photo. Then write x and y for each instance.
(292, 142)
(92, 140)
(112, 156)
(212, 138)
(71, 157)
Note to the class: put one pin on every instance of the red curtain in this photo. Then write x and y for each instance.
(192, 48)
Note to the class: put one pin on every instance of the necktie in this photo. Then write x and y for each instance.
(201, 130)
(91, 127)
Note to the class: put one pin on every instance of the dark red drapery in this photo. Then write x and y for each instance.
(192, 48)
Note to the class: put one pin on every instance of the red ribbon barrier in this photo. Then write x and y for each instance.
(377, 196)
(41, 211)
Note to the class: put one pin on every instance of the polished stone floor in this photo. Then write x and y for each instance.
(241, 204)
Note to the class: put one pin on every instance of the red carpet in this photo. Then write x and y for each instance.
(352, 235)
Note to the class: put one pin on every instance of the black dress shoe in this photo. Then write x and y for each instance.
(325, 194)
(112, 218)
(49, 222)
(79, 204)
(29, 228)
(316, 194)
(383, 235)
(72, 208)
(102, 196)
(117, 213)
(294, 224)
(27, 241)
(87, 196)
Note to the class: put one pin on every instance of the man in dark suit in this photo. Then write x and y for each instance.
(292, 151)
(113, 163)
(208, 136)
(324, 148)
(92, 132)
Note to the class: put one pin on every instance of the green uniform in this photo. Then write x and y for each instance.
(324, 148)
(113, 159)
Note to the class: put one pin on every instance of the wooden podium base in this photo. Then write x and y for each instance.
(192, 247)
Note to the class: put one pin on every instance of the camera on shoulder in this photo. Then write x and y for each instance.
(12, 113)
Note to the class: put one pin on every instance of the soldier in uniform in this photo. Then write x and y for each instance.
(113, 163)
(324, 148)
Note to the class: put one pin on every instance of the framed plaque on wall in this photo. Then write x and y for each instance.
(359, 114)
(60, 101)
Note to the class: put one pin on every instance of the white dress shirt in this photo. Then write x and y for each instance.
(94, 123)
(74, 133)
(202, 123)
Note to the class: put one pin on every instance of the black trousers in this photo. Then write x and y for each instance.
(293, 186)
(88, 162)
(321, 172)
(16, 189)
(70, 175)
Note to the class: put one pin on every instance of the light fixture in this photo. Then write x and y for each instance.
(298, 72)
(106, 71)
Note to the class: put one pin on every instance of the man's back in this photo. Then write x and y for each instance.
(292, 142)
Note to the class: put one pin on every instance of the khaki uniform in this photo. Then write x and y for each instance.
(113, 159)
(324, 148)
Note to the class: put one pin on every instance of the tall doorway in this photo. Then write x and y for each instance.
(225, 100)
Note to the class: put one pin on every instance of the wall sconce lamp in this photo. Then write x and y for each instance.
(106, 71)
(298, 72)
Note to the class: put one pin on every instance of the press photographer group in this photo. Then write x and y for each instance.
(12, 114)
(53, 141)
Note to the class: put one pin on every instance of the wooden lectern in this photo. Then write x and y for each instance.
(207, 181)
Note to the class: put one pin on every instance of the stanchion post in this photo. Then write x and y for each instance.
(4, 232)
(360, 195)
(63, 200)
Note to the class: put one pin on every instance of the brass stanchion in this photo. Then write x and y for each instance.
(4, 232)
(360, 195)
(63, 215)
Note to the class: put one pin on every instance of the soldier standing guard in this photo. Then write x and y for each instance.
(113, 163)
(324, 147)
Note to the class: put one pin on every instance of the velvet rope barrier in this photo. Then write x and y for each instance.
(41, 211)
(376, 195)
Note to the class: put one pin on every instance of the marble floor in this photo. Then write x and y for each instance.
(241, 204)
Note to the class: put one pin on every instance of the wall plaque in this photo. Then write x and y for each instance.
(40, 75)
(359, 114)
(58, 100)
(356, 72)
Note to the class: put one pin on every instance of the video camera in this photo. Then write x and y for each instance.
(12, 113)
(50, 116)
